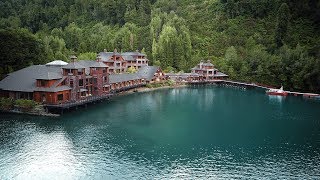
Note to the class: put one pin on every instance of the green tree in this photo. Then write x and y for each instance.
(131, 70)
(87, 56)
(282, 26)
(18, 49)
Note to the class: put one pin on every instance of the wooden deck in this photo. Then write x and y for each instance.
(80, 102)
(87, 100)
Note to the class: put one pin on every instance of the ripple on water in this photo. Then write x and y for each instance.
(187, 133)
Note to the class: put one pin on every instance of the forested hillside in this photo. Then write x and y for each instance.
(266, 41)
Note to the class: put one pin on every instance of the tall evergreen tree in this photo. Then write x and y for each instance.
(282, 26)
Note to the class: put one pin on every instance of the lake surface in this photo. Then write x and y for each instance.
(205, 132)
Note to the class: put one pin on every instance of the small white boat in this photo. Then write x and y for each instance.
(277, 92)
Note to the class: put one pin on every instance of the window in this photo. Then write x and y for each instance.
(42, 83)
(68, 71)
(80, 82)
(71, 83)
(60, 97)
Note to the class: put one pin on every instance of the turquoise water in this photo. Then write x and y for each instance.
(190, 133)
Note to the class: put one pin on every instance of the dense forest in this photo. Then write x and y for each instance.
(265, 41)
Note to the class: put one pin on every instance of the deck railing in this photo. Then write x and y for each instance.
(127, 88)
(79, 102)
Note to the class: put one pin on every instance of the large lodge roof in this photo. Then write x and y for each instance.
(117, 78)
(25, 79)
(132, 54)
(147, 72)
(73, 65)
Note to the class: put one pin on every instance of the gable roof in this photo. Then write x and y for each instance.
(106, 56)
(133, 54)
(147, 72)
(91, 63)
(98, 64)
(73, 65)
(220, 74)
(207, 64)
(128, 58)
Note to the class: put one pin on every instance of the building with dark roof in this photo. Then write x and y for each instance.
(114, 61)
(151, 73)
(58, 83)
(208, 71)
(120, 62)
(146, 74)
(135, 59)
(52, 83)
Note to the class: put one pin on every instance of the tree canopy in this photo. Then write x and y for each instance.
(268, 41)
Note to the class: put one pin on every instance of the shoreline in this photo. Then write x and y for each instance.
(124, 93)
(146, 89)
(30, 113)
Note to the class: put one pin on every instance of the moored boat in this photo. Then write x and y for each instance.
(277, 92)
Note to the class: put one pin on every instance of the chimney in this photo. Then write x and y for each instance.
(98, 58)
(200, 65)
(115, 50)
(73, 58)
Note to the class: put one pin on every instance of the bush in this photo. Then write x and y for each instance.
(132, 70)
(6, 104)
(170, 82)
(149, 86)
(25, 104)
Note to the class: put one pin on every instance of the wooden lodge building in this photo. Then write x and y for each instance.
(119, 63)
(59, 82)
(202, 72)
(207, 71)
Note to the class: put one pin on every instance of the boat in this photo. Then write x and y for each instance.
(277, 92)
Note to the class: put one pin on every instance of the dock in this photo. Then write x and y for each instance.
(251, 85)
(307, 95)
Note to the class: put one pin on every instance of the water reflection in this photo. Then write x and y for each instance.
(188, 133)
(38, 152)
(276, 99)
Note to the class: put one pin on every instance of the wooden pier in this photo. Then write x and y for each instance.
(251, 85)
(307, 95)
(71, 104)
